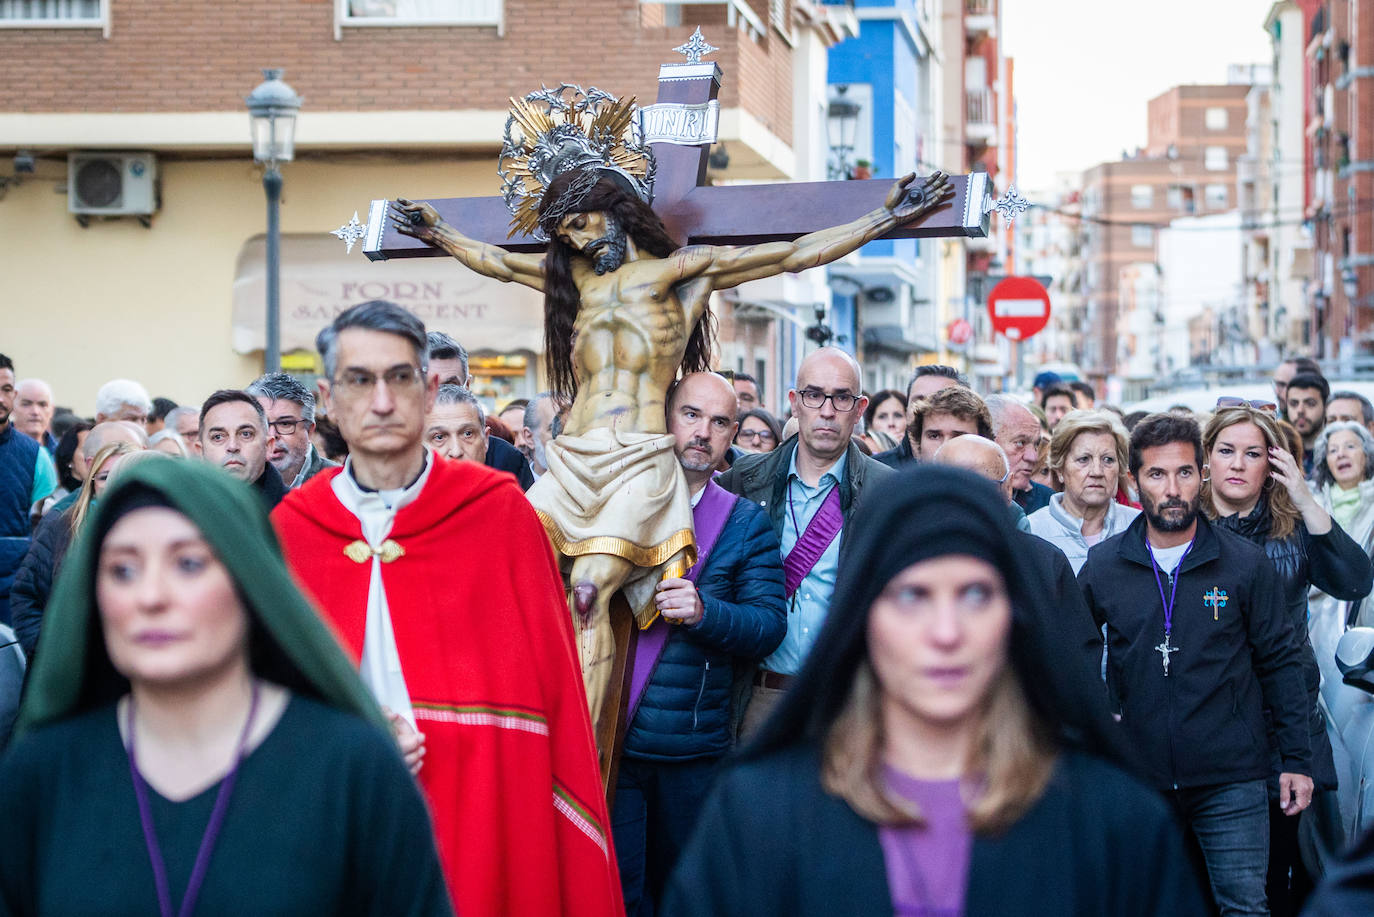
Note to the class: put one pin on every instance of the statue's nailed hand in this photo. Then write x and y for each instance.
(906, 203)
(412, 219)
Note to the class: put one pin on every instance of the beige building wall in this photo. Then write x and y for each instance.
(82, 306)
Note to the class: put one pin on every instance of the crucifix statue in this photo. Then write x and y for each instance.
(598, 195)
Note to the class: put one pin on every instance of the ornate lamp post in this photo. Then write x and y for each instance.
(841, 121)
(272, 107)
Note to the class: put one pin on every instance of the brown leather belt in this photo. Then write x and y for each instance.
(766, 679)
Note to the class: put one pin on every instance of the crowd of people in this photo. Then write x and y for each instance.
(289, 651)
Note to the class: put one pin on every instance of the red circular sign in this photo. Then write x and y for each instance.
(959, 331)
(1019, 306)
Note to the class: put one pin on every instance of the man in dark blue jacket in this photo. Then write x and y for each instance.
(728, 611)
(1199, 643)
(27, 475)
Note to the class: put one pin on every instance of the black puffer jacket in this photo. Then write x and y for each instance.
(1336, 565)
(686, 709)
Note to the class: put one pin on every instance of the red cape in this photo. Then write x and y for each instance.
(486, 646)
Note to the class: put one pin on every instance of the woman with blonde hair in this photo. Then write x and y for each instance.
(1253, 486)
(1087, 457)
(33, 582)
(934, 753)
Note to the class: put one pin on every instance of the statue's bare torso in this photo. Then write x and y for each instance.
(631, 334)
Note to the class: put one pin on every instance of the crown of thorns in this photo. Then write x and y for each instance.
(553, 131)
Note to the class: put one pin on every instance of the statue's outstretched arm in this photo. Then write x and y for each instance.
(733, 266)
(423, 222)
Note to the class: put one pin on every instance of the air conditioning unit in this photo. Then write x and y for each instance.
(112, 184)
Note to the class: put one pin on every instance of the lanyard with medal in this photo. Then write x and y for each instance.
(1164, 649)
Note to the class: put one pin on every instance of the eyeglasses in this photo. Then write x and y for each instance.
(1259, 404)
(360, 382)
(286, 426)
(761, 435)
(814, 398)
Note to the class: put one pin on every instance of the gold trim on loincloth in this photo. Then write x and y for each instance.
(676, 571)
(636, 554)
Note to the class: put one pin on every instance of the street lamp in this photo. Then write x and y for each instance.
(272, 107)
(841, 121)
(1350, 283)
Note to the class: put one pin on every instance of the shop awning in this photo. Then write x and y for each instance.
(318, 281)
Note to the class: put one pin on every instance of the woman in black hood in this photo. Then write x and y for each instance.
(936, 754)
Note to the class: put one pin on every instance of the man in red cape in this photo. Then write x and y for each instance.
(440, 582)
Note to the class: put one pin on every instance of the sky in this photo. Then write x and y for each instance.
(1085, 70)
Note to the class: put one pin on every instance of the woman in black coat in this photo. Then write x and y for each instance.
(1256, 489)
(935, 755)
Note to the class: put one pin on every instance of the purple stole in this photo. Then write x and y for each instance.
(824, 526)
(708, 519)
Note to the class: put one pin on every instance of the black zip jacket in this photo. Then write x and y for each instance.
(1334, 563)
(1204, 723)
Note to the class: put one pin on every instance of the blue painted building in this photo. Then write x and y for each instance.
(890, 72)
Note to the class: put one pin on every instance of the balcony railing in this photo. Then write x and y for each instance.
(979, 7)
(979, 107)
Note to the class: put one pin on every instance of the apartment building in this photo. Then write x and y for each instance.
(1338, 167)
(1188, 167)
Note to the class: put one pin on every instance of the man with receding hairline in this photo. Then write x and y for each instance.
(810, 487)
(727, 612)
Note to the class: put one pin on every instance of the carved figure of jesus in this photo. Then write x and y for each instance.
(626, 310)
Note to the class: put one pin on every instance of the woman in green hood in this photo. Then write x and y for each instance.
(193, 739)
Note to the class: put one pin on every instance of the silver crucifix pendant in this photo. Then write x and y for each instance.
(1164, 649)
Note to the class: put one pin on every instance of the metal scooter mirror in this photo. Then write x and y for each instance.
(1355, 658)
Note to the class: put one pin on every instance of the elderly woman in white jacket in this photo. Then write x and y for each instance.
(1087, 457)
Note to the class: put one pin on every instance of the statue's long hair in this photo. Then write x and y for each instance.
(562, 298)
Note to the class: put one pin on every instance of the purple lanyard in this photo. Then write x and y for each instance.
(793, 510)
(212, 830)
(1173, 594)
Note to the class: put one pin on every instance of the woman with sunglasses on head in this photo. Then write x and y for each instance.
(193, 740)
(934, 756)
(1253, 486)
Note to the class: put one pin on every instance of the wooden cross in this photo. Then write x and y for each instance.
(1216, 599)
(699, 214)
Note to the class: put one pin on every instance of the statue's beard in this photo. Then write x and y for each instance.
(608, 252)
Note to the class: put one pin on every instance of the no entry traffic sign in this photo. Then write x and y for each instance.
(1019, 307)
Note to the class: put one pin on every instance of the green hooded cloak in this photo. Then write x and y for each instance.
(289, 643)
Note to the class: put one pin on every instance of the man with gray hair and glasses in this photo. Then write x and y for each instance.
(448, 364)
(440, 581)
(290, 410)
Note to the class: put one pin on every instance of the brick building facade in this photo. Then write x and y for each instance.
(390, 109)
(1338, 163)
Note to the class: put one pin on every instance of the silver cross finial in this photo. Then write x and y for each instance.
(350, 232)
(1011, 204)
(695, 47)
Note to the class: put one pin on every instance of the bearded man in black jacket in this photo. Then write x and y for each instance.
(1198, 645)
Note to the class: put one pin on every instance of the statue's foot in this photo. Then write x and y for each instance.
(584, 600)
